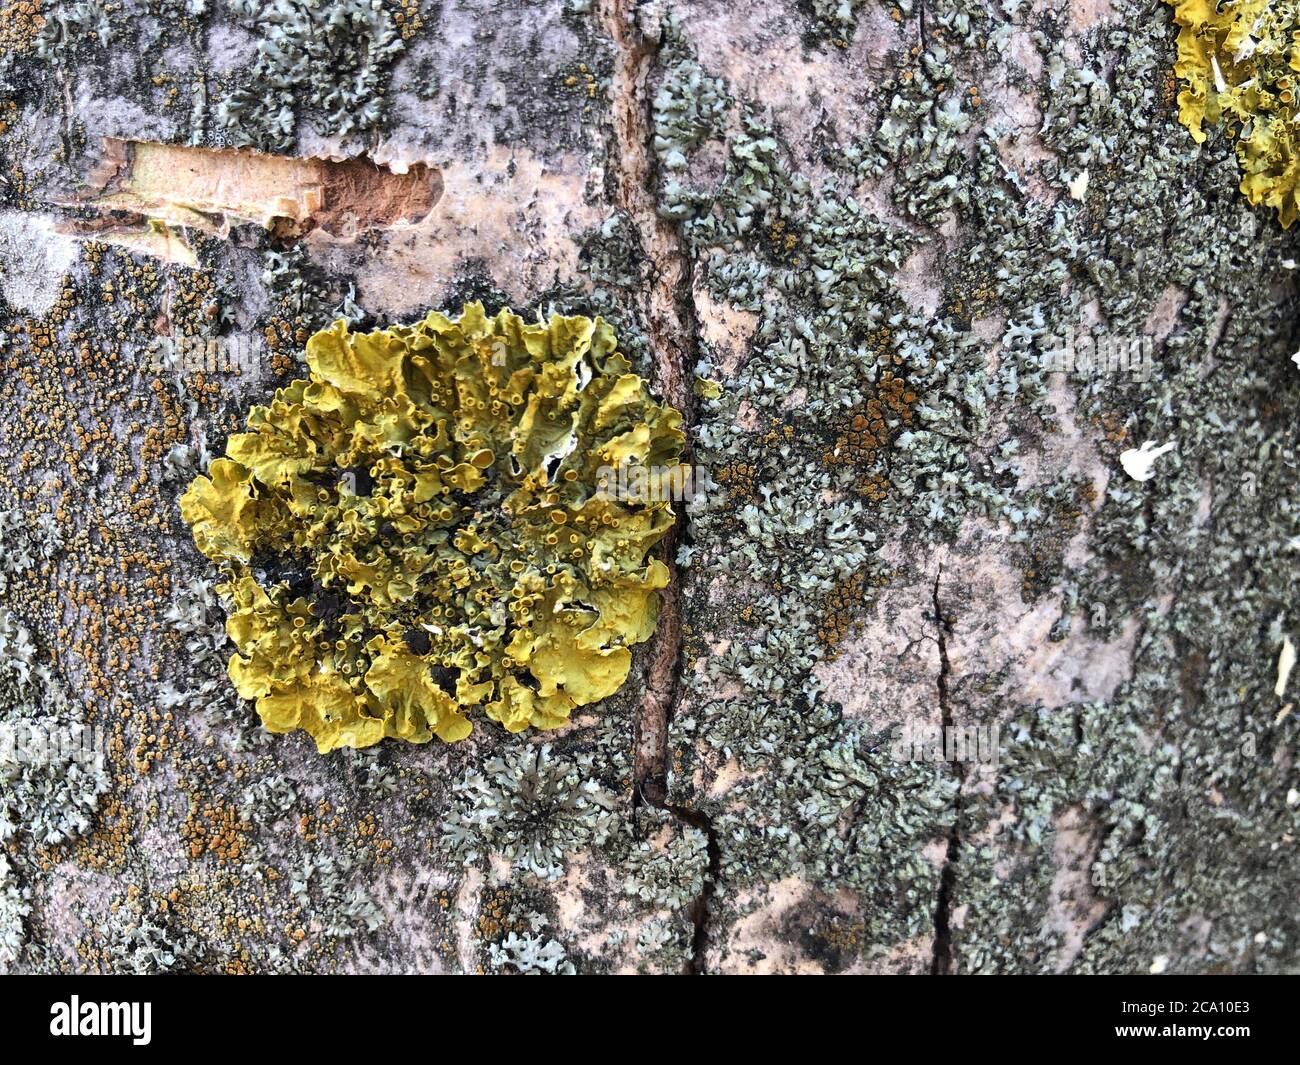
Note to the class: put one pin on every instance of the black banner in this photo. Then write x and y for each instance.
(1077, 1014)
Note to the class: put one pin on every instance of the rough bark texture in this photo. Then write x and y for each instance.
(866, 223)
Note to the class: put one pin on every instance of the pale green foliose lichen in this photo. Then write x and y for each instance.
(328, 60)
(533, 809)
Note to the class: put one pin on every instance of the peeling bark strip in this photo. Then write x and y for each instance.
(669, 307)
(668, 311)
(138, 183)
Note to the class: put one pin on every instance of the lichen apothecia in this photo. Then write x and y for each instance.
(1239, 63)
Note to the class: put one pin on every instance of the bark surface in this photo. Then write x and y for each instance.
(849, 241)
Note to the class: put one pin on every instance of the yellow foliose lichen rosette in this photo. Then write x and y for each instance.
(1239, 62)
(422, 530)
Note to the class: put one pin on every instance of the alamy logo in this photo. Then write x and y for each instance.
(1085, 353)
(102, 1018)
(50, 742)
(946, 743)
(236, 354)
(634, 483)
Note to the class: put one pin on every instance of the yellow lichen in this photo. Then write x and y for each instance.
(1238, 62)
(418, 531)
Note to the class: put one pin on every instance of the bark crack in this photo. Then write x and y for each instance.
(941, 961)
(667, 309)
(699, 908)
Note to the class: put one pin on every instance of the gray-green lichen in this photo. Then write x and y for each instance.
(52, 771)
(533, 809)
(664, 862)
(530, 955)
(1022, 259)
(26, 541)
(14, 908)
(197, 616)
(326, 61)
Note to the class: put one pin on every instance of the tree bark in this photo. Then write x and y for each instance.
(938, 685)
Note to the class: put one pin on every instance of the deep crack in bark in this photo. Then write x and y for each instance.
(941, 962)
(668, 311)
(699, 909)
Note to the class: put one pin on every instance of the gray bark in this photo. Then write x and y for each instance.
(867, 224)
